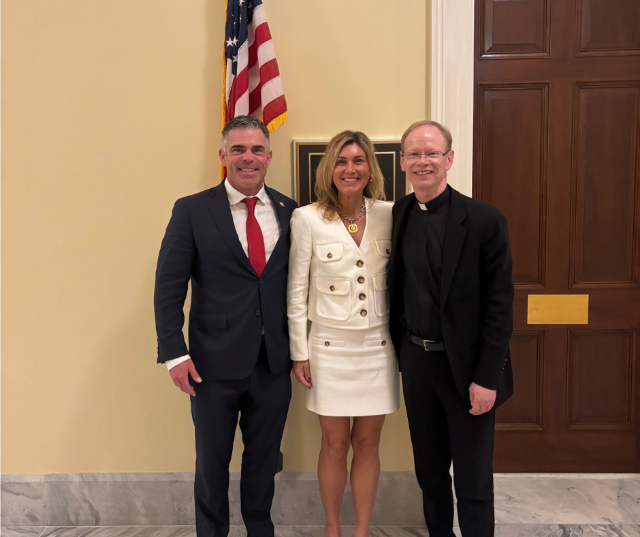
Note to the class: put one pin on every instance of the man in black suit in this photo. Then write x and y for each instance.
(232, 243)
(451, 295)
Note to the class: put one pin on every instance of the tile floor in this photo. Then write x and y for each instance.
(502, 530)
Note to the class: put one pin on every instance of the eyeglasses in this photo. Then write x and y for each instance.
(432, 155)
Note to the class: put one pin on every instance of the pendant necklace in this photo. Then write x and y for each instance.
(352, 227)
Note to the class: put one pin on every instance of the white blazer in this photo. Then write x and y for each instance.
(332, 281)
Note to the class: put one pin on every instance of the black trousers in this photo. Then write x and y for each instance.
(442, 430)
(262, 401)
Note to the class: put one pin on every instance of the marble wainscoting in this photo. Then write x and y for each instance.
(536, 504)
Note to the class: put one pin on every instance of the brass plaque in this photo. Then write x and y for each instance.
(558, 309)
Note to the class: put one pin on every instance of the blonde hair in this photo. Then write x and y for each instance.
(326, 192)
(446, 133)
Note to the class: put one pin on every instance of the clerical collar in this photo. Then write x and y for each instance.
(436, 203)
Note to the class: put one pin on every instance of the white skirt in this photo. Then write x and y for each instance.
(353, 372)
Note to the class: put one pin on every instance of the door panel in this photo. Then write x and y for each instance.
(606, 182)
(600, 390)
(524, 409)
(608, 27)
(513, 144)
(515, 28)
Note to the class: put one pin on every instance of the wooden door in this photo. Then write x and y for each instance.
(557, 150)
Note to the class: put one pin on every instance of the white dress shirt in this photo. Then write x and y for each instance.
(266, 216)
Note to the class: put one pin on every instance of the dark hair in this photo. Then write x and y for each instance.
(243, 122)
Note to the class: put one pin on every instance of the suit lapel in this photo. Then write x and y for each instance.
(284, 225)
(454, 236)
(403, 207)
(218, 206)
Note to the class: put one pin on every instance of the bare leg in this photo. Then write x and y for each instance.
(365, 468)
(332, 469)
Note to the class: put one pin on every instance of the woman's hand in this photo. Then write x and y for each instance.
(302, 371)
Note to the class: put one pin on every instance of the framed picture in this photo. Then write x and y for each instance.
(307, 155)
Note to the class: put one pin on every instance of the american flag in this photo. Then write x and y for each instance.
(251, 78)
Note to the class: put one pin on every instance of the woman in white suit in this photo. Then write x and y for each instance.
(340, 247)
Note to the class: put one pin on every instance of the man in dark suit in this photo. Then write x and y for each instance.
(232, 243)
(451, 295)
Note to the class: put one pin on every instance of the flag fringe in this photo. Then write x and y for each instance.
(277, 122)
(224, 85)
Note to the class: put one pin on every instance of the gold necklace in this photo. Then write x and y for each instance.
(352, 227)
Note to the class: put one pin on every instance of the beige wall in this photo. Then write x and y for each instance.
(111, 111)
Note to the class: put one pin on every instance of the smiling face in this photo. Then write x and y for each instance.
(351, 173)
(427, 175)
(247, 158)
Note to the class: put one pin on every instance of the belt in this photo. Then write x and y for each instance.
(427, 344)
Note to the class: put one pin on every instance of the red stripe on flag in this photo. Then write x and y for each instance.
(255, 100)
(268, 72)
(262, 36)
(242, 83)
(274, 109)
(231, 103)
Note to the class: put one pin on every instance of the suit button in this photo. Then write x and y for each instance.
(258, 313)
(332, 288)
(360, 279)
(329, 255)
(261, 280)
(360, 263)
(384, 342)
(326, 343)
(362, 296)
(363, 313)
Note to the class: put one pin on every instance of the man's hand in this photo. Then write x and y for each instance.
(482, 399)
(302, 372)
(180, 376)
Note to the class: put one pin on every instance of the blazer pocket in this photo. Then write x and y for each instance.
(207, 320)
(384, 248)
(333, 298)
(328, 253)
(381, 294)
(379, 342)
(327, 342)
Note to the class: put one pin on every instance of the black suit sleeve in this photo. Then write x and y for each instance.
(497, 303)
(172, 282)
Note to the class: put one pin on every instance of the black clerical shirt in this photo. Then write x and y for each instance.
(422, 247)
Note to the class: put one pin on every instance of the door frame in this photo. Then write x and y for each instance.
(452, 82)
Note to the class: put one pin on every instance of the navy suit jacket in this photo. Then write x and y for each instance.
(230, 304)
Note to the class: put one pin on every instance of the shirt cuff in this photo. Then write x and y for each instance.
(176, 361)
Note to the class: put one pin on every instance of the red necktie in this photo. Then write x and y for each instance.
(257, 256)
